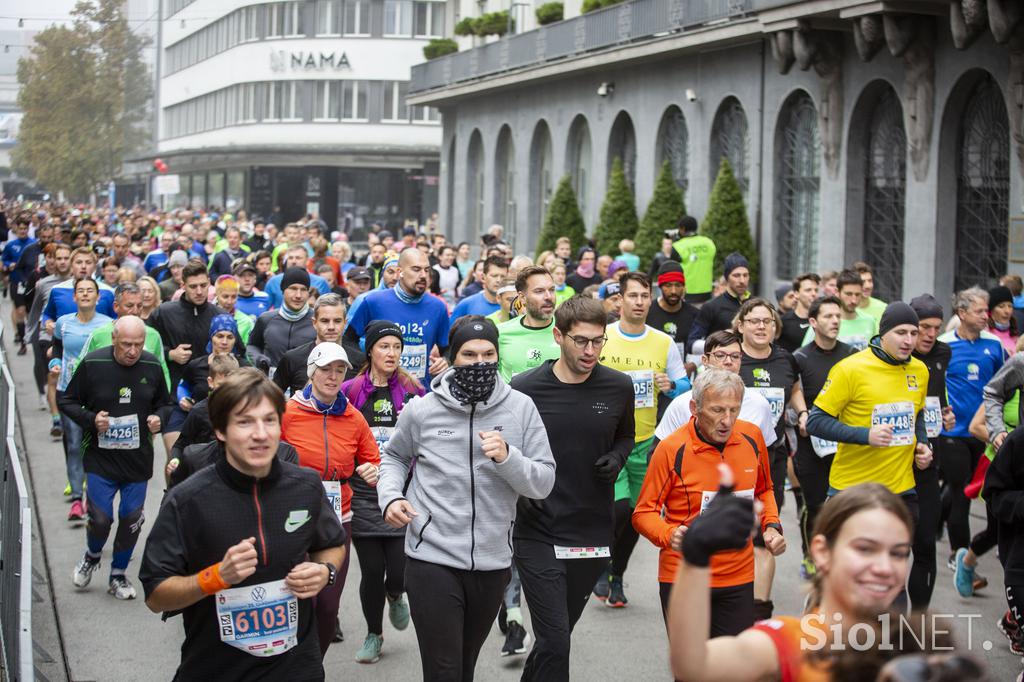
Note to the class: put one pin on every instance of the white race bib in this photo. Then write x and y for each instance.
(581, 552)
(933, 416)
(261, 620)
(382, 434)
(414, 360)
(643, 388)
(898, 415)
(122, 434)
(707, 495)
(333, 491)
(776, 398)
(822, 447)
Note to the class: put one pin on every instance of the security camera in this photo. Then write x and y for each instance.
(605, 89)
(691, 95)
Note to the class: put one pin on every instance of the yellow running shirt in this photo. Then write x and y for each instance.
(862, 390)
(641, 357)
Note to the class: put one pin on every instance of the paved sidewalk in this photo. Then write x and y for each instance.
(100, 638)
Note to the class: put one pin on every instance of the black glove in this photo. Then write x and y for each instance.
(606, 468)
(726, 524)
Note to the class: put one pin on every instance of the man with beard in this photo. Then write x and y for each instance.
(718, 313)
(422, 317)
(671, 313)
(526, 341)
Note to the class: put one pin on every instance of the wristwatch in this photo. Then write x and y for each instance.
(332, 572)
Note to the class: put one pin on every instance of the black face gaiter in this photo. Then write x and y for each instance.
(472, 384)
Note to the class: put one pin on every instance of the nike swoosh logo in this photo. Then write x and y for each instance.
(290, 525)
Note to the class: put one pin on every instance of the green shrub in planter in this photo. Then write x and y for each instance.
(439, 47)
(466, 27)
(492, 24)
(550, 12)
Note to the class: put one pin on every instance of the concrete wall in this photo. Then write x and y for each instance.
(747, 72)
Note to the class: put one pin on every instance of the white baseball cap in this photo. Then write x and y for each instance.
(324, 354)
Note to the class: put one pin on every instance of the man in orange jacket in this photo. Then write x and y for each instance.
(681, 481)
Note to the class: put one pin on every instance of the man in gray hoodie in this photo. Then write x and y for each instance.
(478, 446)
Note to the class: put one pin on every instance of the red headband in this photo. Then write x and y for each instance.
(671, 277)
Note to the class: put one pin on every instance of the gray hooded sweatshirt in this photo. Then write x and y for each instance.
(466, 503)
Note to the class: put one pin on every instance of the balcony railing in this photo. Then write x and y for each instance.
(620, 24)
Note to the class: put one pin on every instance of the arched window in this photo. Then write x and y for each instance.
(885, 190)
(578, 157)
(541, 180)
(504, 182)
(475, 179)
(982, 188)
(796, 187)
(729, 140)
(674, 146)
(622, 145)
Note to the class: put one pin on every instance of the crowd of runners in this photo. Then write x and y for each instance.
(490, 432)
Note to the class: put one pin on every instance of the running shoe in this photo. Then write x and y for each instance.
(121, 587)
(517, 641)
(77, 511)
(398, 612)
(22, 349)
(339, 636)
(1011, 631)
(601, 586)
(980, 581)
(807, 569)
(43, 404)
(67, 489)
(56, 430)
(963, 575)
(370, 651)
(83, 571)
(951, 563)
(616, 597)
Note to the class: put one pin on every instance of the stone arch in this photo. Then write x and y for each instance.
(542, 182)
(475, 178)
(505, 180)
(797, 185)
(730, 139)
(578, 159)
(622, 145)
(673, 145)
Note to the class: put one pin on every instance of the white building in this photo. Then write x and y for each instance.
(289, 108)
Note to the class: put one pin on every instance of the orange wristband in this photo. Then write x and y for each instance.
(210, 581)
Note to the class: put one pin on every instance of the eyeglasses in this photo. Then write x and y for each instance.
(760, 321)
(722, 356)
(582, 341)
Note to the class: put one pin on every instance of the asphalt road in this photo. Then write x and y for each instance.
(92, 636)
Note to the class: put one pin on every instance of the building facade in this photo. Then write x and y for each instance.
(298, 107)
(886, 131)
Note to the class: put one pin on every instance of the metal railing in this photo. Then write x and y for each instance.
(15, 545)
(609, 27)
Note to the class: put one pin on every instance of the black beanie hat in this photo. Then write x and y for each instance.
(734, 260)
(471, 327)
(997, 295)
(926, 307)
(294, 276)
(895, 314)
(377, 330)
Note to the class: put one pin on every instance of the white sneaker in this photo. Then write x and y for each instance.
(43, 405)
(83, 571)
(121, 587)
